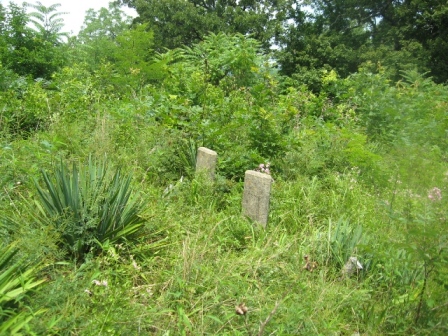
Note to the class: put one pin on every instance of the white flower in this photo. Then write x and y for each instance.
(100, 283)
(134, 264)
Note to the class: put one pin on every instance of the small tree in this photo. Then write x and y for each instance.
(25, 51)
(48, 21)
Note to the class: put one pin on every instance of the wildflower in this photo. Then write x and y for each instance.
(100, 283)
(264, 168)
(435, 194)
(134, 264)
(88, 292)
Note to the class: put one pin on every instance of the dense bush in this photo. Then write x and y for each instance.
(359, 169)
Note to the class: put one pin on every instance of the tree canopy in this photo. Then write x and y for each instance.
(304, 37)
(176, 23)
(31, 52)
(345, 34)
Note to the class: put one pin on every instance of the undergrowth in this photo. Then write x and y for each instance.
(149, 247)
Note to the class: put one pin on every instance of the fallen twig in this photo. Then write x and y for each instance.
(263, 324)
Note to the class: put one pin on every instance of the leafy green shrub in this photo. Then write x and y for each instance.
(78, 92)
(170, 157)
(15, 280)
(316, 148)
(263, 135)
(8, 79)
(235, 161)
(88, 206)
(25, 106)
(412, 111)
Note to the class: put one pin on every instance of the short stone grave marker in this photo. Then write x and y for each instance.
(256, 196)
(206, 162)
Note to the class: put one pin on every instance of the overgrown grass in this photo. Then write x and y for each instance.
(342, 188)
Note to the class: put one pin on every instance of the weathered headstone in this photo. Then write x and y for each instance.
(256, 196)
(206, 162)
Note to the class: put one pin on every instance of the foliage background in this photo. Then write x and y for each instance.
(349, 109)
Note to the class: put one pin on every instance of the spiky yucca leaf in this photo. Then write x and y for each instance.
(15, 280)
(87, 205)
(344, 240)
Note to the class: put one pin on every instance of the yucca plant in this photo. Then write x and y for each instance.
(187, 154)
(89, 206)
(15, 280)
(343, 241)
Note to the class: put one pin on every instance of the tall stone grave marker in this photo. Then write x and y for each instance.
(256, 195)
(206, 162)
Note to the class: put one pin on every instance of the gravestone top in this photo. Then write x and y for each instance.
(207, 151)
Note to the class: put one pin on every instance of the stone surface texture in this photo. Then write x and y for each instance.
(256, 196)
(206, 162)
